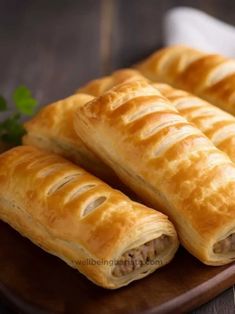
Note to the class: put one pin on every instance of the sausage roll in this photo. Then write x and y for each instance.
(168, 162)
(215, 123)
(77, 217)
(52, 130)
(209, 76)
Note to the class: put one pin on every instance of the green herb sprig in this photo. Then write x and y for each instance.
(11, 128)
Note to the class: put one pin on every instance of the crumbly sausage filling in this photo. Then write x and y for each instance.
(226, 245)
(140, 256)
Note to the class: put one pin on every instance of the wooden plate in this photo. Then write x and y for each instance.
(35, 282)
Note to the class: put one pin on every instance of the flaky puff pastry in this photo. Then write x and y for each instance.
(168, 162)
(52, 130)
(209, 76)
(98, 86)
(215, 123)
(77, 217)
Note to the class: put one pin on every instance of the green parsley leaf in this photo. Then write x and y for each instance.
(3, 104)
(12, 130)
(24, 101)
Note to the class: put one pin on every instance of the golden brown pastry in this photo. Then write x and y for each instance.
(209, 76)
(75, 216)
(98, 86)
(168, 162)
(215, 123)
(52, 130)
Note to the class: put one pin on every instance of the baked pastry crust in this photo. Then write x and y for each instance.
(98, 86)
(216, 124)
(77, 217)
(210, 76)
(166, 161)
(52, 130)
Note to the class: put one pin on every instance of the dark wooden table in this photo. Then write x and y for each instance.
(55, 46)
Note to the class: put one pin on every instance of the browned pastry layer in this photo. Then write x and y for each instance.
(215, 123)
(167, 161)
(77, 217)
(98, 86)
(209, 76)
(52, 130)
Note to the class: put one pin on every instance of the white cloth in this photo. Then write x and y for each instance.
(184, 25)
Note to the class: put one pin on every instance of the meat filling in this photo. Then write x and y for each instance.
(225, 246)
(140, 256)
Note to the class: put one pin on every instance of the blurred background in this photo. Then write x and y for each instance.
(54, 46)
